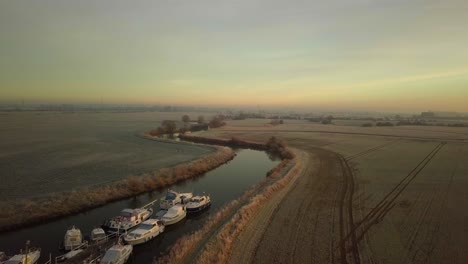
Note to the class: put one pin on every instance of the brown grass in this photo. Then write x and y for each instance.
(21, 213)
(273, 146)
(217, 249)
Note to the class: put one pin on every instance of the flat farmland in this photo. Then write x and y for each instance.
(46, 152)
(371, 195)
(411, 201)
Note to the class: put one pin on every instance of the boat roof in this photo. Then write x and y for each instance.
(174, 210)
(150, 221)
(98, 231)
(73, 232)
(111, 255)
(20, 257)
(161, 213)
(171, 195)
(139, 231)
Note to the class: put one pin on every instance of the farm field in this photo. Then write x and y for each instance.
(396, 195)
(46, 152)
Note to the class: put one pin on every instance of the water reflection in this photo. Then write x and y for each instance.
(224, 184)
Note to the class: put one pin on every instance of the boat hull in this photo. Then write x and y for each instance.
(193, 210)
(141, 240)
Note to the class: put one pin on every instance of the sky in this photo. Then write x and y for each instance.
(390, 55)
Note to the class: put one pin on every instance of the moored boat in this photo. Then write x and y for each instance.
(172, 215)
(98, 235)
(117, 254)
(198, 204)
(172, 198)
(145, 232)
(73, 239)
(129, 218)
(31, 256)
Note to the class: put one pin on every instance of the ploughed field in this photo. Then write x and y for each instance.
(370, 195)
(46, 152)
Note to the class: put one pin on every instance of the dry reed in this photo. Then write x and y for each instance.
(230, 220)
(17, 214)
(218, 249)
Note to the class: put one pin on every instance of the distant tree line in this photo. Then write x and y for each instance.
(276, 122)
(325, 120)
(170, 127)
(413, 123)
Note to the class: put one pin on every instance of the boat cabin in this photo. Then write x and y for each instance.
(73, 239)
(132, 215)
(116, 254)
(98, 234)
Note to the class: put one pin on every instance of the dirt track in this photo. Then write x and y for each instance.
(305, 225)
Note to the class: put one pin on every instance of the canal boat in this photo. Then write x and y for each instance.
(172, 215)
(129, 219)
(117, 254)
(148, 230)
(172, 198)
(73, 239)
(98, 235)
(31, 257)
(198, 204)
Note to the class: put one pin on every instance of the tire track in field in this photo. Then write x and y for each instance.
(387, 203)
(346, 215)
(367, 151)
(432, 237)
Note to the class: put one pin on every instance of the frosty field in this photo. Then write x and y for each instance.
(370, 195)
(45, 152)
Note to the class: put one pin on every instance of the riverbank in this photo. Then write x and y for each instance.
(26, 212)
(212, 243)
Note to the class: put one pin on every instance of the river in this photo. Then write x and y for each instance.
(224, 184)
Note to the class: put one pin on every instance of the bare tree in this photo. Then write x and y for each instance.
(217, 121)
(201, 119)
(169, 126)
(185, 118)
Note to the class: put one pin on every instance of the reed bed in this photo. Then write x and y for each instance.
(20, 213)
(273, 146)
(214, 239)
(184, 246)
(219, 249)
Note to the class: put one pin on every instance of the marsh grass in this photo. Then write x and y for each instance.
(214, 239)
(20, 213)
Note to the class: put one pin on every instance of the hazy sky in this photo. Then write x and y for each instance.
(406, 55)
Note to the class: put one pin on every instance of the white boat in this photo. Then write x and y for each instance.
(198, 203)
(117, 254)
(172, 198)
(129, 218)
(30, 258)
(98, 235)
(73, 239)
(173, 214)
(145, 232)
